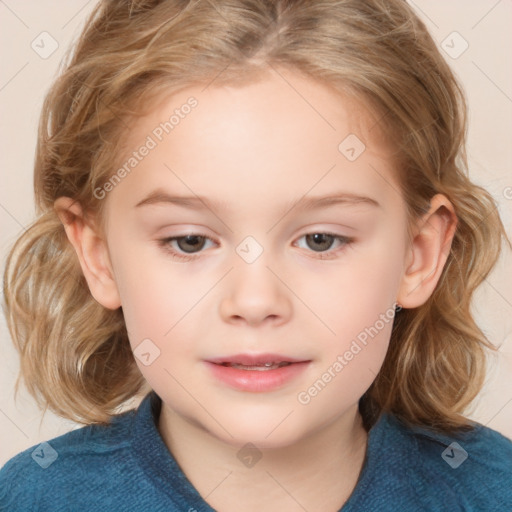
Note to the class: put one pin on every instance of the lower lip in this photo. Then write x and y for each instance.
(254, 380)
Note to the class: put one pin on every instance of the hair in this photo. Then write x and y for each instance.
(75, 356)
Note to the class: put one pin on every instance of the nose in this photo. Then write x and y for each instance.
(255, 293)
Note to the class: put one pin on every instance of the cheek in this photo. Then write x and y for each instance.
(157, 308)
(156, 305)
(349, 362)
(360, 310)
(352, 295)
(152, 299)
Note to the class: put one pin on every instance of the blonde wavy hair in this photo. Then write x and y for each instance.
(75, 357)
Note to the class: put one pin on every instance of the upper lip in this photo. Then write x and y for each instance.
(255, 359)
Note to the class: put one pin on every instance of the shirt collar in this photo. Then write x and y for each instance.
(389, 447)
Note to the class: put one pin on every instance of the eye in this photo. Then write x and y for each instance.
(324, 241)
(187, 245)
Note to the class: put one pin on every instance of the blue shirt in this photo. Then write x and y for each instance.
(126, 466)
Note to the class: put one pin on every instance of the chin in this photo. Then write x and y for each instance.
(241, 439)
(265, 432)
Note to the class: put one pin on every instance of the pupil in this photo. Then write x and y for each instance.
(318, 238)
(190, 240)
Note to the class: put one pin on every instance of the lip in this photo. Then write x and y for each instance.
(254, 359)
(256, 381)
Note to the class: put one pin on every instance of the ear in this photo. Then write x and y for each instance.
(91, 250)
(428, 252)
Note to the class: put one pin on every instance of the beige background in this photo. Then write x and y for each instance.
(484, 68)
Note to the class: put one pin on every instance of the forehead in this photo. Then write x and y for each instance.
(284, 133)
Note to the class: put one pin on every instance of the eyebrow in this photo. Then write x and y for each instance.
(304, 203)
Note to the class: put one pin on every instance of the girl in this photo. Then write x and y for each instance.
(315, 350)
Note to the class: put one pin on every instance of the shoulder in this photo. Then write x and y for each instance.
(472, 469)
(90, 452)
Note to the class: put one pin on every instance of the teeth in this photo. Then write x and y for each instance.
(260, 367)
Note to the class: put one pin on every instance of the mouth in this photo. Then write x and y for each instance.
(258, 362)
(256, 372)
(260, 367)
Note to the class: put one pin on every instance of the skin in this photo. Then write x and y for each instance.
(259, 149)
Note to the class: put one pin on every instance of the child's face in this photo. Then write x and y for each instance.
(252, 153)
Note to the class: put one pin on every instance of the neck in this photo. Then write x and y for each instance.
(317, 473)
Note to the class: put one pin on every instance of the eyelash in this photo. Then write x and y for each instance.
(165, 244)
